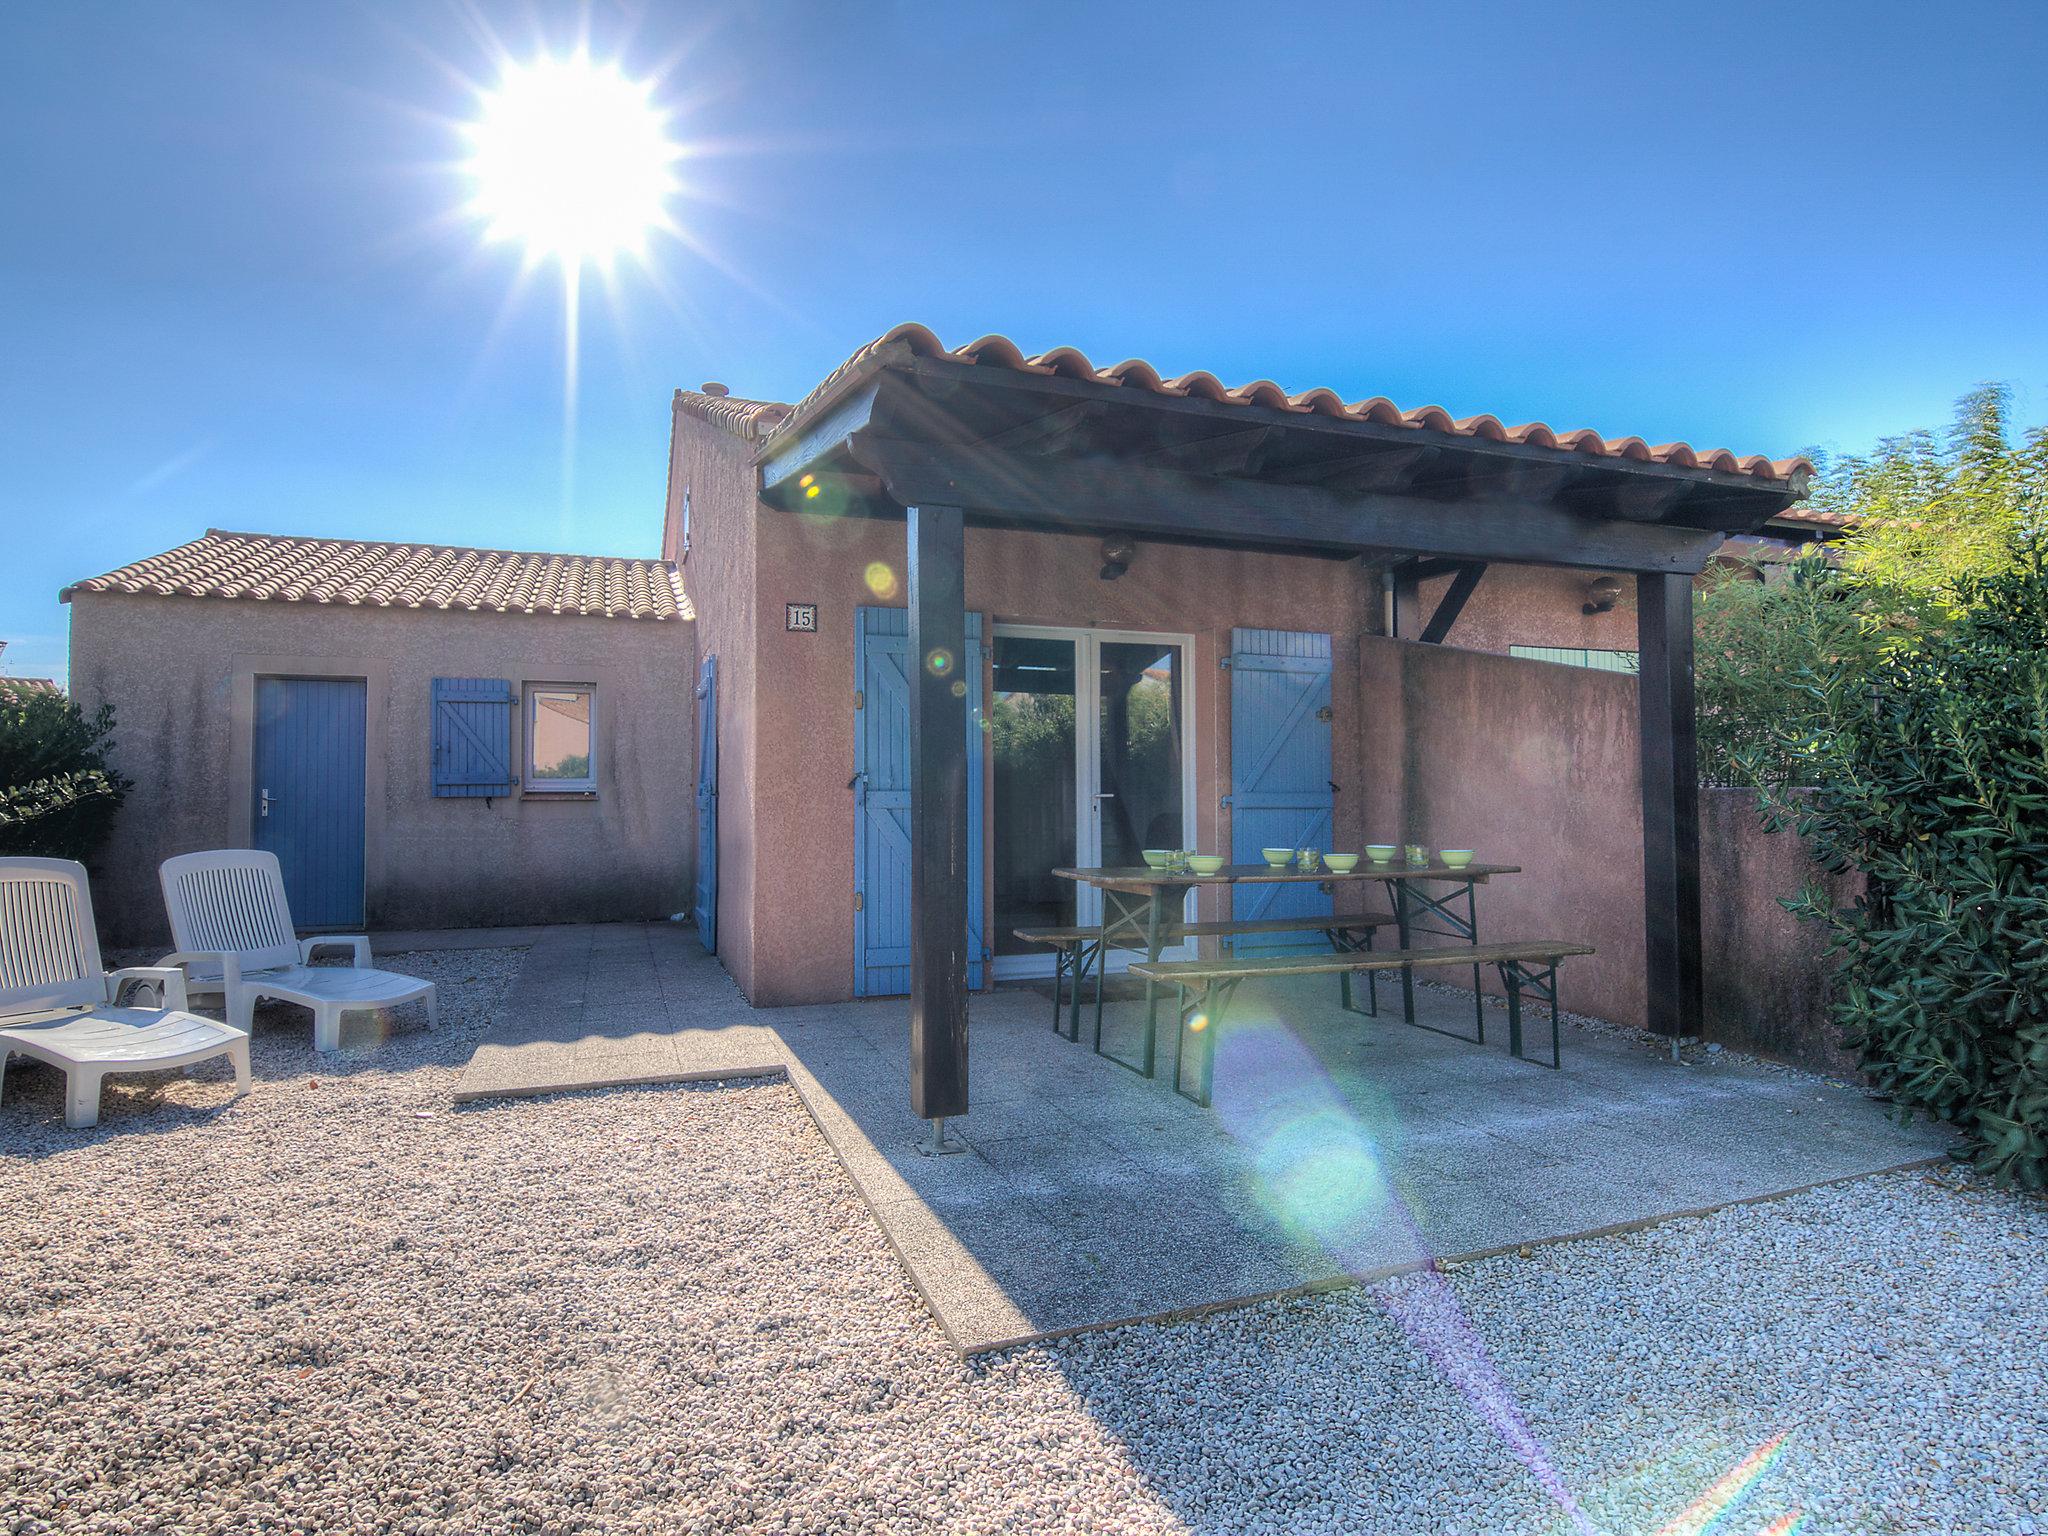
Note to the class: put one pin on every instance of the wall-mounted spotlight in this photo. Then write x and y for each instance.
(1117, 555)
(1602, 593)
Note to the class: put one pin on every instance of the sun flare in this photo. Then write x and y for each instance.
(572, 160)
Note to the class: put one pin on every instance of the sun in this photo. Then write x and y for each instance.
(571, 160)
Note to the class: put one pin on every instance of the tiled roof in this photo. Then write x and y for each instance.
(1814, 517)
(757, 419)
(18, 690)
(277, 568)
(751, 419)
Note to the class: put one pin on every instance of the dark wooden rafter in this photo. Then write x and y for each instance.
(941, 673)
(1452, 603)
(1227, 453)
(1053, 432)
(1102, 496)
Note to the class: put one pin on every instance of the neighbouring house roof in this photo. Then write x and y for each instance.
(759, 420)
(280, 568)
(16, 689)
(1812, 519)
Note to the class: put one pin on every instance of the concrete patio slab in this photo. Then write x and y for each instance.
(1339, 1148)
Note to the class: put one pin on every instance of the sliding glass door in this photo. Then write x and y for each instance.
(1093, 765)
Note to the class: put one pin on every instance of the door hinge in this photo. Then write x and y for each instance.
(1224, 663)
(1223, 802)
(859, 905)
(1326, 714)
(860, 698)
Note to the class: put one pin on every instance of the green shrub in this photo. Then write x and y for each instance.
(57, 794)
(1933, 781)
(1775, 663)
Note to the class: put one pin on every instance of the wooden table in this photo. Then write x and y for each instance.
(1134, 917)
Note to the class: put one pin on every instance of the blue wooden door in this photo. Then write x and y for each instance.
(1280, 794)
(705, 905)
(881, 926)
(308, 787)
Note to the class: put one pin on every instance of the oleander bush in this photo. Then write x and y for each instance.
(58, 796)
(1932, 779)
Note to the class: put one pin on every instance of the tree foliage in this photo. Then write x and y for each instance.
(1933, 513)
(1774, 663)
(57, 794)
(1935, 785)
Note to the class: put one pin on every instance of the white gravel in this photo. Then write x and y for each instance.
(350, 1307)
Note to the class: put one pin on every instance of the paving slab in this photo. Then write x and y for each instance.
(1339, 1149)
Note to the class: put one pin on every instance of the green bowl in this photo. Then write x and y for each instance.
(1205, 863)
(1381, 853)
(1455, 858)
(1158, 858)
(1341, 863)
(1279, 858)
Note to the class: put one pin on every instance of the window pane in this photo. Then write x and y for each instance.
(561, 733)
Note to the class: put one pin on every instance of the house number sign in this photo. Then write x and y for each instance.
(802, 616)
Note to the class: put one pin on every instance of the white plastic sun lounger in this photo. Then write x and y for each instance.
(234, 933)
(58, 1006)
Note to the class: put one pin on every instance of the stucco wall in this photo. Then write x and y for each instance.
(803, 838)
(1768, 984)
(1525, 762)
(1536, 605)
(716, 470)
(178, 672)
(1532, 763)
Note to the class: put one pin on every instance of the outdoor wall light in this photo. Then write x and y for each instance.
(1117, 555)
(1602, 593)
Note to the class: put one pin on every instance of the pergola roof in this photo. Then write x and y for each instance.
(763, 420)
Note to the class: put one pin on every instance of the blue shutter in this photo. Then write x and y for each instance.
(1280, 795)
(881, 935)
(706, 904)
(473, 736)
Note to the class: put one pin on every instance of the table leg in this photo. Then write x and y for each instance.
(1401, 929)
(1152, 948)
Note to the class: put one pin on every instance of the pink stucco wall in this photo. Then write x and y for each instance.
(1532, 763)
(715, 470)
(179, 673)
(1528, 763)
(803, 837)
(1536, 605)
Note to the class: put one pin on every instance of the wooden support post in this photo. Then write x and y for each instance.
(941, 674)
(1671, 804)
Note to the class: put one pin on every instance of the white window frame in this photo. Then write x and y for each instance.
(539, 786)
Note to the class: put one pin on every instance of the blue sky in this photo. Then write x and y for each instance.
(234, 291)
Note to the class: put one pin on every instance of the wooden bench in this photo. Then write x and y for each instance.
(1207, 987)
(1075, 949)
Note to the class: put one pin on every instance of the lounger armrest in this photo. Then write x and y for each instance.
(230, 965)
(355, 941)
(167, 979)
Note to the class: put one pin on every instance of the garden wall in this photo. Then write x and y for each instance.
(1536, 764)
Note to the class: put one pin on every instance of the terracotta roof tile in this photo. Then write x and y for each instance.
(751, 419)
(757, 420)
(278, 568)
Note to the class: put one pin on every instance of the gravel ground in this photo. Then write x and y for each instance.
(341, 1305)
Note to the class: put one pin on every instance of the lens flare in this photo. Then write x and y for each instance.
(1321, 1176)
(1710, 1507)
(938, 661)
(880, 579)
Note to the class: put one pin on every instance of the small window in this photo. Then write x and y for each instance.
(1578, 656)
(684, 552)
(561, 739)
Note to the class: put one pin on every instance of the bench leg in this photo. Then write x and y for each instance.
(1062, 962)
(1210, 1005)
(1540, 985)
(1341, 942)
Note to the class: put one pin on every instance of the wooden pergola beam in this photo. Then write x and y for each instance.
(1108, 495)
(1671, 806)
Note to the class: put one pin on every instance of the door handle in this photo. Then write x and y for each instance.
(1105, 794)
(266, 803)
